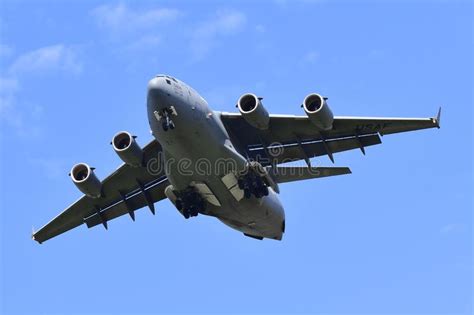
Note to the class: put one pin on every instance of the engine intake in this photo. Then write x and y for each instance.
(318, 111)
(84, 178)
(127, 148)
(251, 108)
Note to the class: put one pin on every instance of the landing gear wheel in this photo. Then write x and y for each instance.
(171, 125)
(253, 184)
(186, 213)
(190, 203)
(247, 193)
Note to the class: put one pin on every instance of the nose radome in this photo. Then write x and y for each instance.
(155, 84)
(157, 90)
(158, 94)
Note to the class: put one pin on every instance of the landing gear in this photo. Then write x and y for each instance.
(165, 116)
(247, 193)
(253, 183)
(168, 124)
(190, 203)
(191, 211)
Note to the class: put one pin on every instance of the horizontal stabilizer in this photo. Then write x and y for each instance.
(285, 174)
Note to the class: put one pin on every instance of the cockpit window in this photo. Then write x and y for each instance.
(167, 78)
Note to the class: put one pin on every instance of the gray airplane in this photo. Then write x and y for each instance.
(225, 165)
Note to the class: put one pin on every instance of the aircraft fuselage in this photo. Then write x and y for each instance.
(198, 149)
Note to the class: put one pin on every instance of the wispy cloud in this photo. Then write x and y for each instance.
(224, 23)
(15, 112)
(311, 57)
(122, 19)
(51, 58)
(376, 53)
(8, 88)
(451, 228)
(259, 28)
(51, 168)
(133, 30)
(284, 3)
(5, 50)
(8, 85)
(148, 41)
(223, 94)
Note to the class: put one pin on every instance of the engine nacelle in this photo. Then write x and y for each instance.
(84, 178)
(251, 108)
(318, 111)
(128, 149)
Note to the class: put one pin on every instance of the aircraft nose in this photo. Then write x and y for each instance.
(158, 92)
(156, 85)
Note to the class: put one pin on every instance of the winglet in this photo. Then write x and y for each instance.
(33, 232)
(437, 120)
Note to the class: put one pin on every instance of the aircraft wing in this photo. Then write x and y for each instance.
(124, 191)
(290, 138)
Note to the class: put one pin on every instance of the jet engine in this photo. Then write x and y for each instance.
(251, 108)
(84, 178)
(318, 111)
(128, 149)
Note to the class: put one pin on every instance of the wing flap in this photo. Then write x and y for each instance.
(128, 204)
(299, 150)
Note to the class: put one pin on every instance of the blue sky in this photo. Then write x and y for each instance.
(394, 237)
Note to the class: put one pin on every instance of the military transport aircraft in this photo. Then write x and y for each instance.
(224, 165)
